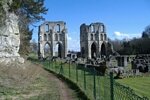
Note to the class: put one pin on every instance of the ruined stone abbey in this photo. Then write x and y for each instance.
(54, 34)
(93, 39)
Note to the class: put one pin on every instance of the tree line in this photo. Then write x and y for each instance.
(135, 45)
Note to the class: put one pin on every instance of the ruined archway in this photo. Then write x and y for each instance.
(58, 50)
(93, 50)
(93, 39)
(109, 49)
(103, 50)
(47, 50)
(55, 34)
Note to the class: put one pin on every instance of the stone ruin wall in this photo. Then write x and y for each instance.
(52, 33)
(10, 38)
(95, 33)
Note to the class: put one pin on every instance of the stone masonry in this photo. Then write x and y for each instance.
(93, 40)
(53, 33)
(10, 38)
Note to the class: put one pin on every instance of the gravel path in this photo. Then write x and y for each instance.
(65, 92)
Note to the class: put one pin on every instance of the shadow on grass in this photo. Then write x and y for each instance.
(80, 94)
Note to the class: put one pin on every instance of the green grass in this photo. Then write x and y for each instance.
(141, 85)
(84, 79)
(40, 89)
(31, 83)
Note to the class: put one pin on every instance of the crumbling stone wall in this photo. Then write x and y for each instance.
(9, 37)
(52, 33)
(93, 40)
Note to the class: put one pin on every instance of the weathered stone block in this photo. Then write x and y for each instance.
(10, 38)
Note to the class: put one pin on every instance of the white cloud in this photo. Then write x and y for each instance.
(73, 44)
(73, 41)
(69, 38)
(117, 33)
(120, 35)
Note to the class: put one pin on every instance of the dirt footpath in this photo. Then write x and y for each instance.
(32, 82)
(64, 91)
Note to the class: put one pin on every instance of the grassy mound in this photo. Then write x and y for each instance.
(26, 82)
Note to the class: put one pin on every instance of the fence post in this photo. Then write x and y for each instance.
(84, 78)
(42, 62)
(99, 88)
(94, 82)
(52, 65)
(111, 86)
(76, 73)
(55, 66)
(49, 63)
(61, 69)
(145, 98)
(46, 63)
(69, 68)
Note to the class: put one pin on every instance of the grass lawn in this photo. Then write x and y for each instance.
(84, 79)
(30, 83)
(141, 85)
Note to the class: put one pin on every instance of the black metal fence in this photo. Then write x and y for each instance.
(96, 86)
(125, 93)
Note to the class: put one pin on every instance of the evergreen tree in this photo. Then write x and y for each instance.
(144, 35)
(2, 13)
(29, 12)
(146, 32)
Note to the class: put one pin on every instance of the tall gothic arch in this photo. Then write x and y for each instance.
(53, 33)
(93, 40)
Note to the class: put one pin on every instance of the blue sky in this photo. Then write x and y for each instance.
(122, 18)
